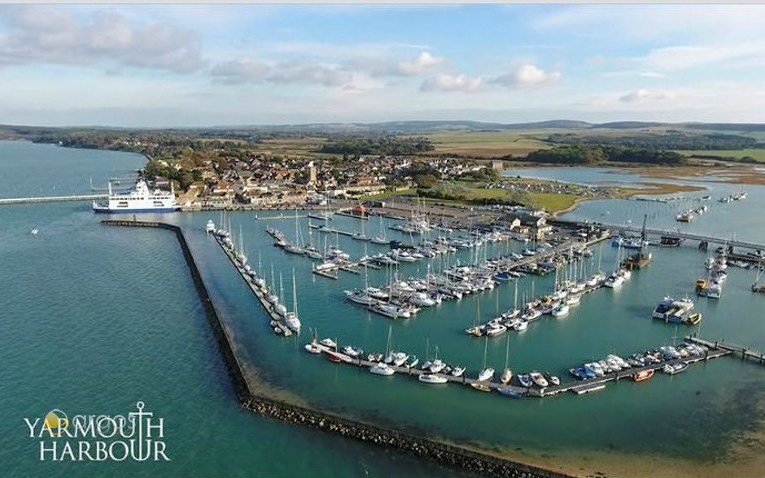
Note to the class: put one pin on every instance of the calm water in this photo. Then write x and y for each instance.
(95, 319)
(122, 299)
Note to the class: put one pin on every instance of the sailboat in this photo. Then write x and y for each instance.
(281, 309)
(507, 374)
(295, 247)
(382, 368)
(380, 238)
(291, 318)
(487, 373)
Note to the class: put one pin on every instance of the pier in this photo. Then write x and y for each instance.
(41, 199)
(677, 234)
(579, 387)
(732, 349)
(277, 324)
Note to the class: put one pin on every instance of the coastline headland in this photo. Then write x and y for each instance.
(441, 452)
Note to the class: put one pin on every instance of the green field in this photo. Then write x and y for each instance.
(757, 154)
(487, 144)
(552, 202)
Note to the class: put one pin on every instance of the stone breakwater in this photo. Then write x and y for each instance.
(422, 447)
(440, 452)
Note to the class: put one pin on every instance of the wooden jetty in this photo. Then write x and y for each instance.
(732, 349)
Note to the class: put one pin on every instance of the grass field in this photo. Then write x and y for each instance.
(553, 202)
(757, 154)
(487, 144)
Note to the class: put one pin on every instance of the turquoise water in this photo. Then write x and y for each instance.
(99, 318)
(96, 318)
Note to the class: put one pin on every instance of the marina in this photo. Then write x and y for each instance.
(604, 323)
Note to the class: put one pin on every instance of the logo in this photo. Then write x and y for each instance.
(137, 436)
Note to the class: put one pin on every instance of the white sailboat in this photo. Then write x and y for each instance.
(291, 318)
(487, 373)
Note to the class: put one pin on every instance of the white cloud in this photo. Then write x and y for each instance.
(420, 65)
(528, 76)
(235, 72)
(104, 39)
(643, 95)
(447, 82)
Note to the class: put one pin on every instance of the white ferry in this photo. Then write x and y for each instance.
(140, 199)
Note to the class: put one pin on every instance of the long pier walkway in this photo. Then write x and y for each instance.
(736, 350)
(30, 200)
(679, 234)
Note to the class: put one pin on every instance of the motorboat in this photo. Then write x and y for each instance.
(313, 348)
(457, 371)
(437, 366)
(672, 369)
(328, 343)
(432, 378)
(486, 374)
(554, 380)
(525, 380)
(352, 351)
(538, 379)
(381, 368)
(210, 226)
(642, 375)
(560, 310)
(614, 281)
(481, 386)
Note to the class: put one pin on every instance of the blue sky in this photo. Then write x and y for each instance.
(200, 65)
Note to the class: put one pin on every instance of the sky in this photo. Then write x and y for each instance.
(216, 65)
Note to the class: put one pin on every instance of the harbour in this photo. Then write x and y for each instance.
(604, 323)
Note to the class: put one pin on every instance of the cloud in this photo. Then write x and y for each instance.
(644, 95)
(425, 63)
(236, 72)
(447, 82)
(528, 76)
(103, 38)
(422, 64)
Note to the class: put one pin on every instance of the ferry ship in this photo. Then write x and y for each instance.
(139, 199)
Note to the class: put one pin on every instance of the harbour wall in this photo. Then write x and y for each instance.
(437, 451)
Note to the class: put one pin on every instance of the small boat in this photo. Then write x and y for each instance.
(328, 343)
(457, 371)
(538, 379)
(481, 386)
(432, 378)
(510, 392)
(34, 231)
(672, 369)
(210, 226)
(507, 375)
(333, 356)
(352, 351)
(643, 375)
(554, 380)
(313, 348)
(693, 319)
(381, 368)
(486, 374)
(560, 310)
